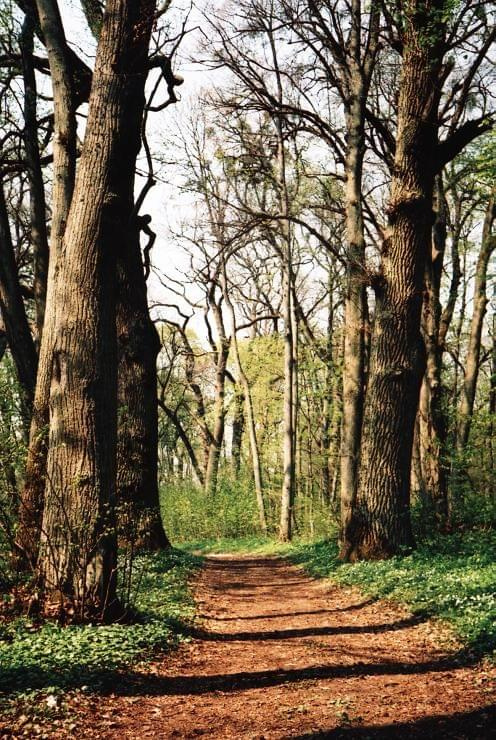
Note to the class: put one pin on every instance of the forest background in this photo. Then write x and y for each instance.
(305, 192)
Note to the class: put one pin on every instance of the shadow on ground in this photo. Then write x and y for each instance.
(478, 725)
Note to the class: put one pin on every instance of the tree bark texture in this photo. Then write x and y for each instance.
(360, 65)
(37, 204)
(78, 546)
(432, 422)
(289, 432)
(137, 440)
(64, 164)
(380, 524)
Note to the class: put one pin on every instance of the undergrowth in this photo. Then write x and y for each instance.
(52, 657)
(451, 577)
(255, 544)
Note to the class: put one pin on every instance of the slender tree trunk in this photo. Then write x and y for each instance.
(250, 416)
(361, 64)
(289, 469)
(328, 409)
(37, 204)
(492, 401)
(172, 415)
(64, 163)
(237, 432)
(217, 436)
(380, 523)
(474, 343)
(432, 423)
(78, 546)
(14, 316)
(355, 311)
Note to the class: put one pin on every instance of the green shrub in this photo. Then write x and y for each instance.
(190, 514)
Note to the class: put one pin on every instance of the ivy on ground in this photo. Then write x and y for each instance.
(52, 657)
(451, 577)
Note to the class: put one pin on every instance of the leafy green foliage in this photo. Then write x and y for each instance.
(190, 514)
(12, 455)
(256, 544)
(52, 656)
(452, 577)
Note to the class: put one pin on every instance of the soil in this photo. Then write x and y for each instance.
(278, 654)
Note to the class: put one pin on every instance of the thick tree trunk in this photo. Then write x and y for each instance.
(78, 546)
(137, 439)
(64, 163)
(380, 523)
(474, 343)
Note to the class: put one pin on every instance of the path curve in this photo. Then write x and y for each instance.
(281, 655)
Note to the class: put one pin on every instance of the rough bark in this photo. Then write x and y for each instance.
(432, 426)
(359, 71)
(64, 163)
(355, 308)
(289, 432)
(78, 546)
(137, 439)
(380, 524)
(37, 204)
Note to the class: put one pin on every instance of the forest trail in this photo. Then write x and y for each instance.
(278, 654)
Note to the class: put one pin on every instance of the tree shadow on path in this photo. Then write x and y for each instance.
(476, 725)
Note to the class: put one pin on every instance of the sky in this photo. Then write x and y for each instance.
(166, 203)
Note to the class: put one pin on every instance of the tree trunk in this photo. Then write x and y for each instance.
(137, 436)
(474, 343)
(355, 312)
(221, 354)
(432, 423)
(64, 164)
(238, 427)
(380, 523)
(37, 204)
(289, 468)
(250, 417)
(14, 316)
(78, 545)
(360, 66)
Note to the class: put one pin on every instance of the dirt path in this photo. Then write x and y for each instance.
(280, 655)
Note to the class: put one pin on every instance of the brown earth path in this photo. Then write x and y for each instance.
(281, 655)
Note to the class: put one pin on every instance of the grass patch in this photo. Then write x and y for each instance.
(52, 657)
(451, 577)
(256, 545)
